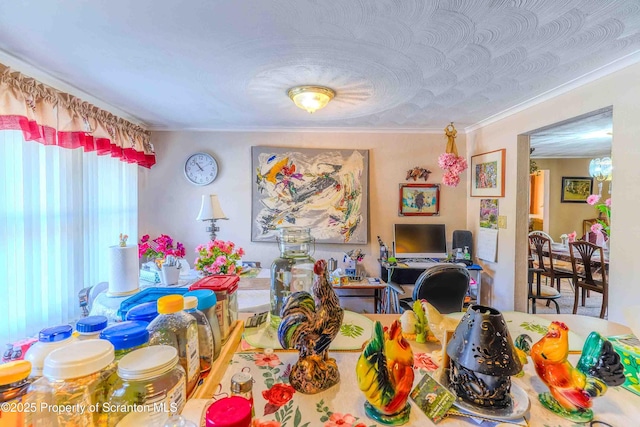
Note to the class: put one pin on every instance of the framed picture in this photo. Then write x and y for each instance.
(325, 190)
(576, 189)
(419, 200)
(487, 174)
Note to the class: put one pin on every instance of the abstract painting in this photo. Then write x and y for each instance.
(487, 174)
(322, 189)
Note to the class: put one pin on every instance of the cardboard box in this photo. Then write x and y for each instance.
(628, 347)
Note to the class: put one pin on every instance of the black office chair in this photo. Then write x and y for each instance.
(444, 286)
(462, 238)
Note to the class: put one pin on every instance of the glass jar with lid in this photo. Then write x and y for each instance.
(49, 339)
(74, 385)
(205, 336)
(89, 328)
(149, 380)
(178, 329)
(293, 270)
(207, 303)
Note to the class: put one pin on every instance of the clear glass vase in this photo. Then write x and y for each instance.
(293, 270)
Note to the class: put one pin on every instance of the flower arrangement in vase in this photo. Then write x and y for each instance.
(218, 257)
(604, 208)
(160, 248)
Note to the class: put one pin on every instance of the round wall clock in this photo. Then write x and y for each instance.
(201, 169)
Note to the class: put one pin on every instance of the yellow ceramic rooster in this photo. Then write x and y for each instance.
(385, 375)
(572, 389)
(309, 324)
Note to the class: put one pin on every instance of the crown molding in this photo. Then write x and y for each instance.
(47, 79)
(612, 67)
(304, 130)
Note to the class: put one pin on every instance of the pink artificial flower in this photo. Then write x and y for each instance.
(450, 179)
(199, 248)
(221, 259)
(596, 228)
(446, 160)
(337, 419)
(608, 202)
(231, 269)
(271, 360)
(240, 252)
(572, 236)
(593, 199)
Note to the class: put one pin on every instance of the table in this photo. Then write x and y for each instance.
(377, 288)
(560, 252)
(618, 407)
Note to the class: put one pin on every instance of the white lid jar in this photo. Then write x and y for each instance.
(151, 380)
(75, 376)
(49, 339)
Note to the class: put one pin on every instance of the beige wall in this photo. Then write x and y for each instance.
(169, 204)
(620, 90)
(567, 217)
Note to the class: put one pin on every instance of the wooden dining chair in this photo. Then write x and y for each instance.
(543, 260)
(589, 274)
(540, 291)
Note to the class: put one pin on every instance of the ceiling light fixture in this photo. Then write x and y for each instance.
(601, 170)
(311, 98)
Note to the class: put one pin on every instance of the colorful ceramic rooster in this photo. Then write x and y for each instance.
(385, 375)
(309, 324)
(572, 389)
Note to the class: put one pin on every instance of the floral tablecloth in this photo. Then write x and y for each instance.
(277, 404)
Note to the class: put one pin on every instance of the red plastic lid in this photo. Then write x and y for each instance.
(218, 283)
(234, 411)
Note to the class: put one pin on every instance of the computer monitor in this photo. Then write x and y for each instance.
(420, 240)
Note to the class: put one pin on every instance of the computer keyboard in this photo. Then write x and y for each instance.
(421, 264)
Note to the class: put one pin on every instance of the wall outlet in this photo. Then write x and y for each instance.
(502, 221)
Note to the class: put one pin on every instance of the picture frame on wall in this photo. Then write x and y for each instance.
(419, 200)
(576, 189)
(487, 174)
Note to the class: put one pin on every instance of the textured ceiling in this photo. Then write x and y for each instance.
(395, 64)
(587, 136)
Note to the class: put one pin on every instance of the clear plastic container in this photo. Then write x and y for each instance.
(14, 384)
(74, 385)
(144, 312)
(179, 330)
(126, 337)
(90, 327)
(150, 380)
(207, 304)
(293, 270)
(225, 287)
(49, 339)
(205, 336)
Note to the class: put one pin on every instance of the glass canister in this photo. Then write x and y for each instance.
(178, 329)
(205, 336)
(74, 385)
(293, 271)
(126, 337)
(49, 339)
(207, 303)
(14, 384)
(89, 328)
(225, 287)
(149, 380)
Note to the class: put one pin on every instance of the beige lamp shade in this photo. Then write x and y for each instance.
(210, 209)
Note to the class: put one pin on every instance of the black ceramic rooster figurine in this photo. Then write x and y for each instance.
(309, 324)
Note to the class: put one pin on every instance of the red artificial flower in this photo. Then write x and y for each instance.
(276, 396)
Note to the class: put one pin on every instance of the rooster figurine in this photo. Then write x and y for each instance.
(309, 324)
(385, 375)
(572, 389)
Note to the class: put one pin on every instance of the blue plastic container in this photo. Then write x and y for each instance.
(55, 333)
(147, 295)
(206, 298)
(144, 312)
(126, 336)
(90, 327)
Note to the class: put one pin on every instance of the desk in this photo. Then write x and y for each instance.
(377, 288)
(618, 407)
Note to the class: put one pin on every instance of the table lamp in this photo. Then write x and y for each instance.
(210, 210)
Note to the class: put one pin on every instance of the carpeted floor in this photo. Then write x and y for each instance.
(591, 308)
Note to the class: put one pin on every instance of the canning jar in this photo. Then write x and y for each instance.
(205, 336)
(49, 339)
(14, 383)
(293, 270)
(178, 329)
(74, 385)
(207, 301)
(225, 287)
(126, 337)
(149, 380)
(89, 328)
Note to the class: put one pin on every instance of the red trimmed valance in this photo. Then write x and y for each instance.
(51, 117)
